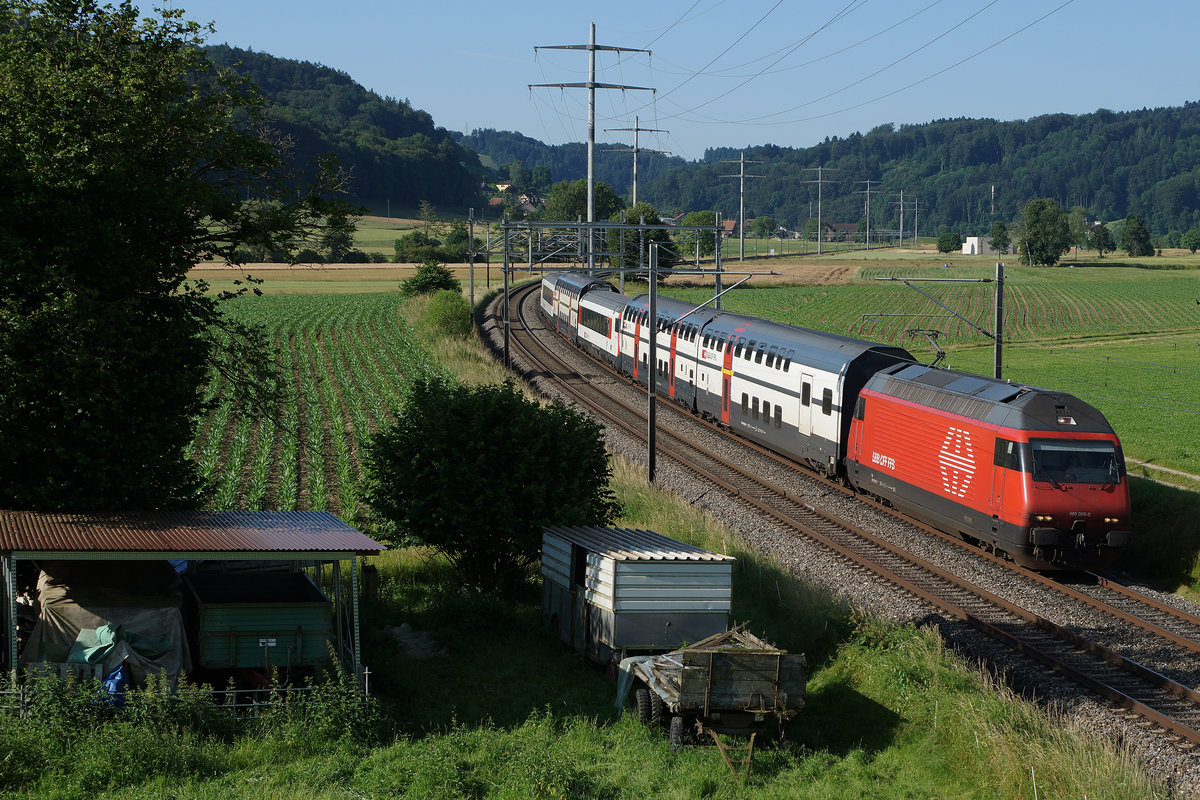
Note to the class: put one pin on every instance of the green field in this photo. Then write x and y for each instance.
(1124, 339)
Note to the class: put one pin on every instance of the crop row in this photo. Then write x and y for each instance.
(345, 361)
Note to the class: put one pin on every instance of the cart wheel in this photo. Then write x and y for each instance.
(658, 709)
(676, 733)
(641, 697)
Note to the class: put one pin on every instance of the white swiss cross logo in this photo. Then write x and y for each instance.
(956, 462)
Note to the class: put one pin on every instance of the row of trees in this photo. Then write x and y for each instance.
(1045, 231)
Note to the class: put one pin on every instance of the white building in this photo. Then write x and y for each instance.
(977, 246)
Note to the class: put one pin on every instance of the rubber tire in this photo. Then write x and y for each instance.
(658, 709)
(676, 733)
(641, 701)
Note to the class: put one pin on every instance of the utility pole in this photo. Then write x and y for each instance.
(916, 218)
(820, 173)
(867, 192)
(902, 218)
(591, 86)
(635, 150)
(741, 176)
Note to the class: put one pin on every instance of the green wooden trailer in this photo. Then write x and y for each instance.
(731, 683)
(259, 621)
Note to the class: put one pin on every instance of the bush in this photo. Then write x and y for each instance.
(949, 242)
(431, 276)
(450, 313)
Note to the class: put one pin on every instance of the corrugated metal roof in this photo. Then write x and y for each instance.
(624, 544)
(182, 531)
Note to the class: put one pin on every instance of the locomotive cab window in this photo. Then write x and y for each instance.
(1075, 461)
(1008, 454)
(860, 406)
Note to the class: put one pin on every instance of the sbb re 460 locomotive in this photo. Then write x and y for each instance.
(1035, 474)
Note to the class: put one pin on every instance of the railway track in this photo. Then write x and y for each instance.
(1140, 689)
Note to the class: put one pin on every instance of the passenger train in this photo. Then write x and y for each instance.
(1033, 473)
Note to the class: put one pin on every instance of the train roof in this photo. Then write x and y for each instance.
(609, 301)
(828, 351)
(667, 307)
(579, 282)
(1010, 405)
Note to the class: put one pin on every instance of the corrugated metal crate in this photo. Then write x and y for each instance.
(609, 591)
(282, 620)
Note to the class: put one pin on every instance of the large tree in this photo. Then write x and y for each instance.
(998, 237)
(1044, 233)
(476, 472)
(1135, 239)
(688, 239)
(1101, 239)
(632, 250)
(125, 158)
(567, 202)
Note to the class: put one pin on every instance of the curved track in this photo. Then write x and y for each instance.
(1133, 686)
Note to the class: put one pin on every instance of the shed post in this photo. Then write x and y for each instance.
(354, 605)
(10, 605)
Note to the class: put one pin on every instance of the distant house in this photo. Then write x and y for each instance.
(978, 246)
(495, 202)
(843, 231)
(728, 227)
(675, 220)
(503, 187)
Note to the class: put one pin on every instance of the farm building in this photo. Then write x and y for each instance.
(611, 591)
(977, 246)
(164, 592)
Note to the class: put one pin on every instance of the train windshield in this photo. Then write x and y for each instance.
(1076, 461)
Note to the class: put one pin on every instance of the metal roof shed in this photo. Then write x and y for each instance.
(299, 537)
(608, 591)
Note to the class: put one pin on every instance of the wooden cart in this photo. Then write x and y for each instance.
(731, 683)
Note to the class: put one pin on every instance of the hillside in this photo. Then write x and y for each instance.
(1112, 163)
(392, 150)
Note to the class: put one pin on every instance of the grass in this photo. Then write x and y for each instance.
(511, 712)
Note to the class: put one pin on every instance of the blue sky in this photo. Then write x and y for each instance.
(734, 74)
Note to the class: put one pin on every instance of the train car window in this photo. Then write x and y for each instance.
(737, 353)
(1007, 454)
(827, 402)
(806, 395)
(705, 341)
(755, 404)
(745, 403)
(788, 361)
(750, 349)
(778, 416)
(758, 355)
(771, 355)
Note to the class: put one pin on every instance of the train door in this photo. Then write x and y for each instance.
(804, 425)
(726, 380)
(671, 366)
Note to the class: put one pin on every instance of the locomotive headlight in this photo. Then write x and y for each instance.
(1042, 518)
(1112, 520)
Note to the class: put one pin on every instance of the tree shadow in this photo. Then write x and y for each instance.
(840, 720)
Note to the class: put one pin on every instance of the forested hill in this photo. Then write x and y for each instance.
(614, 161)
(393, 151)
(1111, 163)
